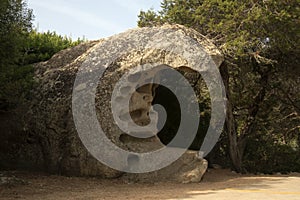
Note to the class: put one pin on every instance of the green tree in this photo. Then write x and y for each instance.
(20, 47)
(15, 23)
(42, 46)
(260, 41)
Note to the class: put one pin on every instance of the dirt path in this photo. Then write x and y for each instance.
(217, 184)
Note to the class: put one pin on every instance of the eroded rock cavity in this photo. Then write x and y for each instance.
(54, 143)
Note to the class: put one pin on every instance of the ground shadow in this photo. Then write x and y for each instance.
(42, 186)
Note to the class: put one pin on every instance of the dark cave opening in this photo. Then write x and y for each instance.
(168, 100)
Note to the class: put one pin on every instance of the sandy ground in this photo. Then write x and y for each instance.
(217, 184)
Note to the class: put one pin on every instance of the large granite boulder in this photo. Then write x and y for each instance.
(52, 141)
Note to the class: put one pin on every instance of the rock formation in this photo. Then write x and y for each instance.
(52, 141)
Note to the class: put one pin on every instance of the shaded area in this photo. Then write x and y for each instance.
(166, 98)
(217, 184)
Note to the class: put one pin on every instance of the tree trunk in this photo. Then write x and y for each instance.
(234, 143)
(237, 142)
(234, 151)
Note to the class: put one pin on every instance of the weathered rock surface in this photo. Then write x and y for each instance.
(52, 140)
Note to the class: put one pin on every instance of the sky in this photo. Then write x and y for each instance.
(92, 19)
